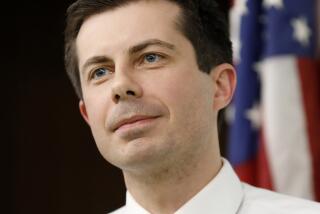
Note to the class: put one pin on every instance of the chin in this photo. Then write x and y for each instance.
(137, 154)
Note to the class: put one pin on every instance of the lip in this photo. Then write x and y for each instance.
(133, 120)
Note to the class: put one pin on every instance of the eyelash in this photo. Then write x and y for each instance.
(94, 72)
(143, 57)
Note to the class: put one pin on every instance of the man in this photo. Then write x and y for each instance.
(151, 77)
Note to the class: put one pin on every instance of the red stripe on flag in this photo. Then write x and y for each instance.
(246, 171)
(256, 171)
(310, 82)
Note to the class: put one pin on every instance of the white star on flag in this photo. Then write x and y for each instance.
(302, 32)
(254, 116)
(230, 114)
(258, 67)
(278, 4)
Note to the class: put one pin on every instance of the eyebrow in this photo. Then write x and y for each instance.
(143, 45)
(132, 50)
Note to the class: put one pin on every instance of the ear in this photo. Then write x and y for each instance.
(83, 111)
(224, 78)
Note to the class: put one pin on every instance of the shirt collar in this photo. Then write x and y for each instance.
(223, 195)
(132, 207)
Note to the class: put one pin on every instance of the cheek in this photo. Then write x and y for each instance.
(182, 93)
(190, 90)
(97, 112)
(97, 108)
(193, 97)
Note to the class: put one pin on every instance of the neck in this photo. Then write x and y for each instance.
(169, 188)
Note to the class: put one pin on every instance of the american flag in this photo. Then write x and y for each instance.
(274, 136)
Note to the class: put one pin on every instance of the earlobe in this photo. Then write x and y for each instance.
(83, 111)
(224, 78)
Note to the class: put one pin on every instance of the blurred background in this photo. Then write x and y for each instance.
(54, 165)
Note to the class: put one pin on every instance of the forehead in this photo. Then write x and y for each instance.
(117, 29)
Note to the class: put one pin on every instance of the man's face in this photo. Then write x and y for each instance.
(144, 96)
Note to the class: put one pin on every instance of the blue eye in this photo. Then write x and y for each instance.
(151, 58)
(100, 72)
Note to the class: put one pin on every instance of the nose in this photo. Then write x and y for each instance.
(125, 87)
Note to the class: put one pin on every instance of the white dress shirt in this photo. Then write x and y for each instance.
(225, 194)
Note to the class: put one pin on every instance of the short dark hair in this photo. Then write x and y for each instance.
(201, 21)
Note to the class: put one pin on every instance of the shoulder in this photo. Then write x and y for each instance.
(257, 200)
(121, 210)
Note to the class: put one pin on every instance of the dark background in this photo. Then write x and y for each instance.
(54, 165)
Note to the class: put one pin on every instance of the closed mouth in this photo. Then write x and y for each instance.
(132, 120)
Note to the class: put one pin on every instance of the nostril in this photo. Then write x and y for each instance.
(117, 96)
(130, 93)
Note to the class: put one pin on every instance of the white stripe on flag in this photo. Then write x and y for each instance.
(285, 127)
